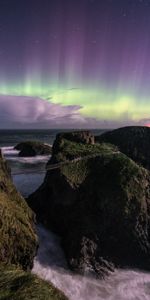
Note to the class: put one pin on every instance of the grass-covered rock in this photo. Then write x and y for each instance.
(16, 284)
(33, 148)
(82, 136)
(100, 205)
(18, 240)
(134, 141)
(65, 149)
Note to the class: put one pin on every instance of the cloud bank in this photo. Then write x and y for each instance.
(33, 112)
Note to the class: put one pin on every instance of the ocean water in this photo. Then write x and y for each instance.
(12, 137)
(50, 263)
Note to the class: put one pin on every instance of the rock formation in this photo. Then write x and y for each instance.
(134, 141)
(18, 240)
(18, 246)
(68, 146)
(100, 205)
(33, 148)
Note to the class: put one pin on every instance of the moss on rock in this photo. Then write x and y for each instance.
(18, 240)
(16, 284)
(134, 141)
(69, 150)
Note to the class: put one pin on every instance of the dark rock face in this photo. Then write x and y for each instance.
(78, 137)
(134, 141)
(33, 148)
(101, 208)
(18, 240)
(85, 137)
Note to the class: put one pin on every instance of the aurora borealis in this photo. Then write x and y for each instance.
(74, 63)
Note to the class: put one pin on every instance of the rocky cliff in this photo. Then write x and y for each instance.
(18, 246)
(18, 240)
(100, 205)
(134, 141)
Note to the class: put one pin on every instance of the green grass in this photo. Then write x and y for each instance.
(69, 150)
(18, 240)
(16, 284)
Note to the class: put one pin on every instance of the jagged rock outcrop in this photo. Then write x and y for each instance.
(18, 240)
(100, 205)
(84, 137)
(134, 141)
(33, 148)
(65, 139)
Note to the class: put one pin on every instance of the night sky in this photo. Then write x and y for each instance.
(74, 63)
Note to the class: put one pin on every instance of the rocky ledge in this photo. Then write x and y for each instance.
(33, 148)
(99, 204)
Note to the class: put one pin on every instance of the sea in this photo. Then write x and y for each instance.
(50, 263)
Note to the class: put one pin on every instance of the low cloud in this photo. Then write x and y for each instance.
(31, 112)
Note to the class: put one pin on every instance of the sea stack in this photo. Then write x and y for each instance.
(100, 205)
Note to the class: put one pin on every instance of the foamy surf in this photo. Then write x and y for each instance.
(9, 151)
(50, 264)
(12, 155)
(28, 172)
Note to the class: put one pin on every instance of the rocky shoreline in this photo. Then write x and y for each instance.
(97, 200)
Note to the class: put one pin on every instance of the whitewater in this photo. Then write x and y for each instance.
(50, 263)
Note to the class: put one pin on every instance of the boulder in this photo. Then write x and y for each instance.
(100, 206)
(33, 148)
(18, 239)
(134, 141)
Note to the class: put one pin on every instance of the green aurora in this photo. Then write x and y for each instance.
(99, 103)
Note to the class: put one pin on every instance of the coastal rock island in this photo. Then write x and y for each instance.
(98, 201)
(33, 148)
